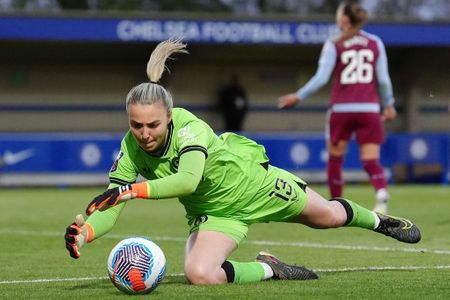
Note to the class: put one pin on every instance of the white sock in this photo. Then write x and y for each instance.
(382, 196)
(377, 220)
(268, 272)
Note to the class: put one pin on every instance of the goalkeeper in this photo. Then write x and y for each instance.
(226, 183)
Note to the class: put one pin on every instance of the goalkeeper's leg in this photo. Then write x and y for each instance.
(204, 255)
(321, 213)
(205, 263)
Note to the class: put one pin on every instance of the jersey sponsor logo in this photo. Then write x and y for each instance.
(116, 162)
(185, 131)
(12, 158)
(201, 219)
(186, 135)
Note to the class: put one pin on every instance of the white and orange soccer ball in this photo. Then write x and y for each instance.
(136, 265)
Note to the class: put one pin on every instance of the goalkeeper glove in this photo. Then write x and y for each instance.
(77, 234)
(119, 194)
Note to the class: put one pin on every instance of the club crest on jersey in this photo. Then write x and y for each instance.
(175, 163)
(116, 162)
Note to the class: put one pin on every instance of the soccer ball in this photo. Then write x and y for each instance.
(136, 265)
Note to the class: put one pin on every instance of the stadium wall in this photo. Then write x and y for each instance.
(68, 75)
(72, 86)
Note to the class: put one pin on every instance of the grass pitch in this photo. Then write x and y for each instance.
(352, 263)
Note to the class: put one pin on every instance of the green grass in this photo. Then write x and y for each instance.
(33, 222)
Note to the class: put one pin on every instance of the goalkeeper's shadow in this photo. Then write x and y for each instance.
(175, 279)
(91, 285)
(106, 283)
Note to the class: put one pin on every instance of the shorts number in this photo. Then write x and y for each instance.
(283, 190)
(358, 67)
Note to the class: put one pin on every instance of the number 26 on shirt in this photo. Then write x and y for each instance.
(358, 66)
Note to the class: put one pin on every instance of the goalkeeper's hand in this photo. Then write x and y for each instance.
(116, 195)
(77, 234)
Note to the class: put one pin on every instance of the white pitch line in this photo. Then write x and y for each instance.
(347, 247)
(253, 242)
(355, 269)
(45, 280)
(384, 268)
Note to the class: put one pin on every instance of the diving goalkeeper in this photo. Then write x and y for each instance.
(225, 183)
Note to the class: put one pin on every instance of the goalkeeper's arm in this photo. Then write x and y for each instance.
(184, 182)
(81, 232)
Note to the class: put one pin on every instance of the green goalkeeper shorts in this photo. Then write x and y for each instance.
(281, 197)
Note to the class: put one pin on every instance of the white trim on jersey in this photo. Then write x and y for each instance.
(355, 107)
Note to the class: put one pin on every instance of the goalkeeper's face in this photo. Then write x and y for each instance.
(148, 124)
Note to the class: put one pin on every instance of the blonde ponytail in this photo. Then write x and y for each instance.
(156, 63)
(151, 92)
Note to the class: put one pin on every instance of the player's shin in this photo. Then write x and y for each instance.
(358, 216)
(238, 272)
(400, 229)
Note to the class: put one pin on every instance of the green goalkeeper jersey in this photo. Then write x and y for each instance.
(234, 168)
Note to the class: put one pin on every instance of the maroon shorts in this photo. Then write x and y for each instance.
(368, 127)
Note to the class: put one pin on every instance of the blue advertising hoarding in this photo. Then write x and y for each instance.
(208, 31)
(58, 153)
(48, 159)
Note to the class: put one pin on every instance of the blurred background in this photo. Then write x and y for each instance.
(66, 67)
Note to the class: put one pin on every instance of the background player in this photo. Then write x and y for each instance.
(225, 183)
(358, 63)
(233, 104)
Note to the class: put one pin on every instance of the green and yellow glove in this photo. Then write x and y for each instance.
(119, 194)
